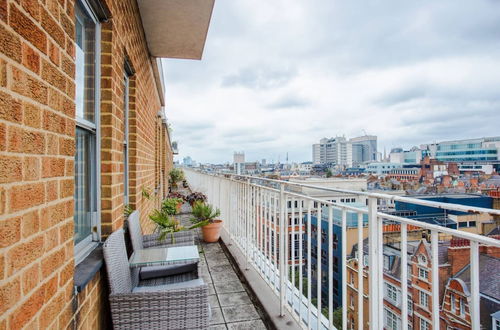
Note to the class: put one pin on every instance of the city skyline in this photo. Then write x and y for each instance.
(431, 75)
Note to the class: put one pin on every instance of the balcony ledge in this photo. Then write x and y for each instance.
(176, 28)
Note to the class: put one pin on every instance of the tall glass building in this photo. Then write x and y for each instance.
(473, 150)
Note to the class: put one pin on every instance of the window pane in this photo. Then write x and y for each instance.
(85, 64)
(85, 149)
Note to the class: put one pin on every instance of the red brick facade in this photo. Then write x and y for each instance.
(37, 150)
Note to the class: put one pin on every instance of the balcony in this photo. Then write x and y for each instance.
(294, 284)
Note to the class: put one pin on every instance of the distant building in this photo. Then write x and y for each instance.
(475, 223)
(412, 156)
(381, 168)
(364, 149)
(466, 152)
(238, 162)
(187, 161)
(337, 151)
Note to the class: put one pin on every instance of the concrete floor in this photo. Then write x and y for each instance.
(231, 305)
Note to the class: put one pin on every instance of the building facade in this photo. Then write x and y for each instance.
(82, 134)
(336, 151)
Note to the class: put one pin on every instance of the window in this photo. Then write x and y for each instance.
(453, 303)
(410, 304)
(391, 321)
(391, 292)
(423, 274)
(87, 132)
(496, 324)
(386, 262)
(462, 306)
(422, 259)
(423, 299)
(424, 325)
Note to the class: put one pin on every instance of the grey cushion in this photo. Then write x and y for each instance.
(173, 286)
(150, 272)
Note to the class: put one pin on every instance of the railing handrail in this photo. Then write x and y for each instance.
(423, 202)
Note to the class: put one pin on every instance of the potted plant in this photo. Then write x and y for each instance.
(172, 206)
(176, 175)
(196, 197)
(204, 216)
(165, 224)
(185, 183)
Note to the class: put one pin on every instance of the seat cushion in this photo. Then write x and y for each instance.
(173, 286)
(150, 272)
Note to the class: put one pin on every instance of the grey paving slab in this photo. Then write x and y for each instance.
(247, 325)
(213, 301)
(226, 287)
(230, 304)
(240, 313)
(217, 317)
(218, 327)
(234, 299)
(224, 277)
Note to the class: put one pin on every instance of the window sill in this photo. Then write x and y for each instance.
(86, 270)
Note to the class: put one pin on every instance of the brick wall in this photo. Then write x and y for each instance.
(37, 148)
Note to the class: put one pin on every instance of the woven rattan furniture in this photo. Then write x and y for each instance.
(140, 242)
(174, 302)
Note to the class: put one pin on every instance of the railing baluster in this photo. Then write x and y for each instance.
(374, 265)
(301, 257)
(435, 280)
(318, 266)
(361, 263)
(292, 247)
(309, 236)
(404, 276)
(282, 249)
(330, 267)
(343, 257)
(474, 308)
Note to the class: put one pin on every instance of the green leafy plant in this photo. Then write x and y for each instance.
(176, 175)
(128, 210)
(203, 214)
(165, 224)
(146, 193)
(196, 197)
(177, 194)
(169, 205)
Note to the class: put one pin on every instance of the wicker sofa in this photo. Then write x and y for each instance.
(173, 302)
(140, 241)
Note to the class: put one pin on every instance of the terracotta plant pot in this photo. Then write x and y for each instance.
(211, 232)
(179, 206)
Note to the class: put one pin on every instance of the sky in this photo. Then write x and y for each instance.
(277, 76)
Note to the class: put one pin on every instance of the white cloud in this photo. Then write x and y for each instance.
(278, 75)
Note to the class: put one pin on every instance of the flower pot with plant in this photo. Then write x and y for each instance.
(196, 197)
(172, 206)
(166, 224)
(176, 175)
(205, 216)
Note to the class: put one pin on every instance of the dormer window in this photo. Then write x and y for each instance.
(422, 260)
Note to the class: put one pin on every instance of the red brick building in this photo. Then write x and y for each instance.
(82, 133)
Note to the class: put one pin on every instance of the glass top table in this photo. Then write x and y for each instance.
(164, 256)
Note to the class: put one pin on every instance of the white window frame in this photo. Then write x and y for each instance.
(391, 320)
(423, 274)
(423, 302)
(83, 248)
(391, 293)
(423, 324)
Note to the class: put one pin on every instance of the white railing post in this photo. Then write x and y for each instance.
(474, 273)
(404, 276)
(282, 261)
(374, 265)
(246, 205)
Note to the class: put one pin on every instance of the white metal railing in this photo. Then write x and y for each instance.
(253, 208)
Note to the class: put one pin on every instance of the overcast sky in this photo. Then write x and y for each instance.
(276, 76)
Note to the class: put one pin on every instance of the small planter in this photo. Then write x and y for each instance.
(211, 232)
(179, 206)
